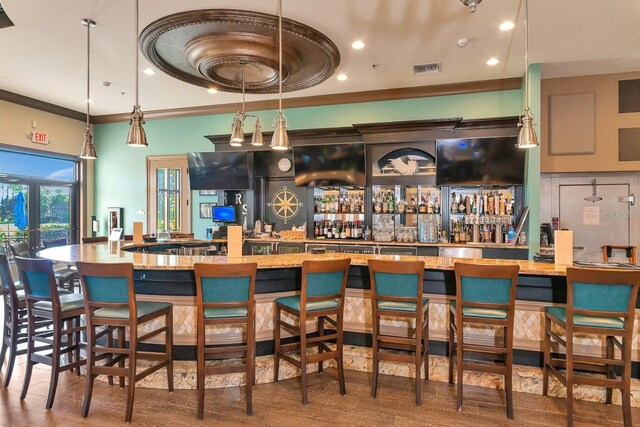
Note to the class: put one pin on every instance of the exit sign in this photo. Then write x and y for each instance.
(39, 137)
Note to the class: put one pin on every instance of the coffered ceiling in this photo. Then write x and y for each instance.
(44, 55)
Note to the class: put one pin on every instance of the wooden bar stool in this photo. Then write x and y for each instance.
(45, 303)
(321, 296)
(601, 302)
(396, 290)
(225, 296)
(630, 252)
(110, 303)
(486, 295)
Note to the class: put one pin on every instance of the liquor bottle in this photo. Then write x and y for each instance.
(461, 206)
(429, 204)
(454, 204)
(422, 207)
(391, 203)
(502, 204)
(490, 204)
(436, 204)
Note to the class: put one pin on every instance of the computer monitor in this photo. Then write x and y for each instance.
(225, 214)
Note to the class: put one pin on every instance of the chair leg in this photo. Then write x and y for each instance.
(459, 369)
(303, 360)
(547, 355)
(374, 373)
(610, 369)
(109, 359)
(451, 346)
(250, 376)
(201, 365)
(76, 341)
(425, 339)
(418, 361)
(55, 364)
(169, 347)
(569, 378)
(320, 333)
(131, 386)
(276, 342)
(12, 345)
(30, 350)
(508, 378)
(121, 361)
(626, 391)
(88, 390)
(340, 348)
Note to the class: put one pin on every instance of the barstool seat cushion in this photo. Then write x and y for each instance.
(143, 308)
(399, 306)
(294, 303)
(217, 313)
(66, 274)
(590, 321)
(485, 313)
(68, 302)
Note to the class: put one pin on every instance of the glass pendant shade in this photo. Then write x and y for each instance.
(136, 137)
(527, 137)
(237, 133)
(280, 139)
(256, 138)
(88, 150)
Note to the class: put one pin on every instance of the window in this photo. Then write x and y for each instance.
(168, 201)
(38, 199)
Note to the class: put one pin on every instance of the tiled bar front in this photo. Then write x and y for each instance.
(279, 275)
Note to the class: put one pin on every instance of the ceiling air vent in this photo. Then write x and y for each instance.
(427, 68)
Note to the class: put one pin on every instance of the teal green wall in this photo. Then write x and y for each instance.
(120, 171)
(532, 194)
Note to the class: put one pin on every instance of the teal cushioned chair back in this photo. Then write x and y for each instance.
(483, 289)
(593, 296)
(107, 289)
(38, 282)
(225, 289)
(319, 284)
(396, 284)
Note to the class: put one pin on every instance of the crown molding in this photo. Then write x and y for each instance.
(320, 100)
(47, 107)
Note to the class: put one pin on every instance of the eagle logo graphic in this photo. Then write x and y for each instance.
(404, 166)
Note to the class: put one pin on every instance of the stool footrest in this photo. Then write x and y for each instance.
(226, 369)
(485, 367)
(318, 357)
(153, 368)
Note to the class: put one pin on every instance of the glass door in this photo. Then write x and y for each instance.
(14, 215)
(55, 214)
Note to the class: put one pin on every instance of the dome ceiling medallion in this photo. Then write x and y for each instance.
(208, 47)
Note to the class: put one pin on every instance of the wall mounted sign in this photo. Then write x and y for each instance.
(405, 162)
(285, 204)
(39, 138)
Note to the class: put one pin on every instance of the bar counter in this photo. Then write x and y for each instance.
(170, 278)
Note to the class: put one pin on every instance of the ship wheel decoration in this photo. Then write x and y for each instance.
(285, 204)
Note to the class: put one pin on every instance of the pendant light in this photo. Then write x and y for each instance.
(237, 131)
(280, 139)
(527, 137)
(136, 136)
(88, 150)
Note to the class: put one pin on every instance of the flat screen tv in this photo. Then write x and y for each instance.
(479, 161)
(219, 171)
(328, 165)
(224, 213)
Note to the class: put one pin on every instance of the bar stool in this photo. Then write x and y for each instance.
(630, 252)
(396, 290)
(44, 303)
(601, 302)
(225, 296)
(486, 295)
(110, 302)
(321, 296)
(65, 276)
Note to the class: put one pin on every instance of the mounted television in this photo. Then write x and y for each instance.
(327, 165)
(219, 171)
(224, 213)
(479, 161)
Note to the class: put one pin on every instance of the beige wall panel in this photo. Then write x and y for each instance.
(571, 124)
(606, 124)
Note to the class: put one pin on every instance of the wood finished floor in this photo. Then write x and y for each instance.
(279, 404)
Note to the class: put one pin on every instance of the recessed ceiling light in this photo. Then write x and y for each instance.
(149, 72)
(342, 77)
(507, 25)
(89, 101)
(493, 61)
(212, 90)
(358, 44)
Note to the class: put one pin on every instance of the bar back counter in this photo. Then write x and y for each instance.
(163, 277)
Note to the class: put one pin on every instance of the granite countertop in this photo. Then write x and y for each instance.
(112, 252)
